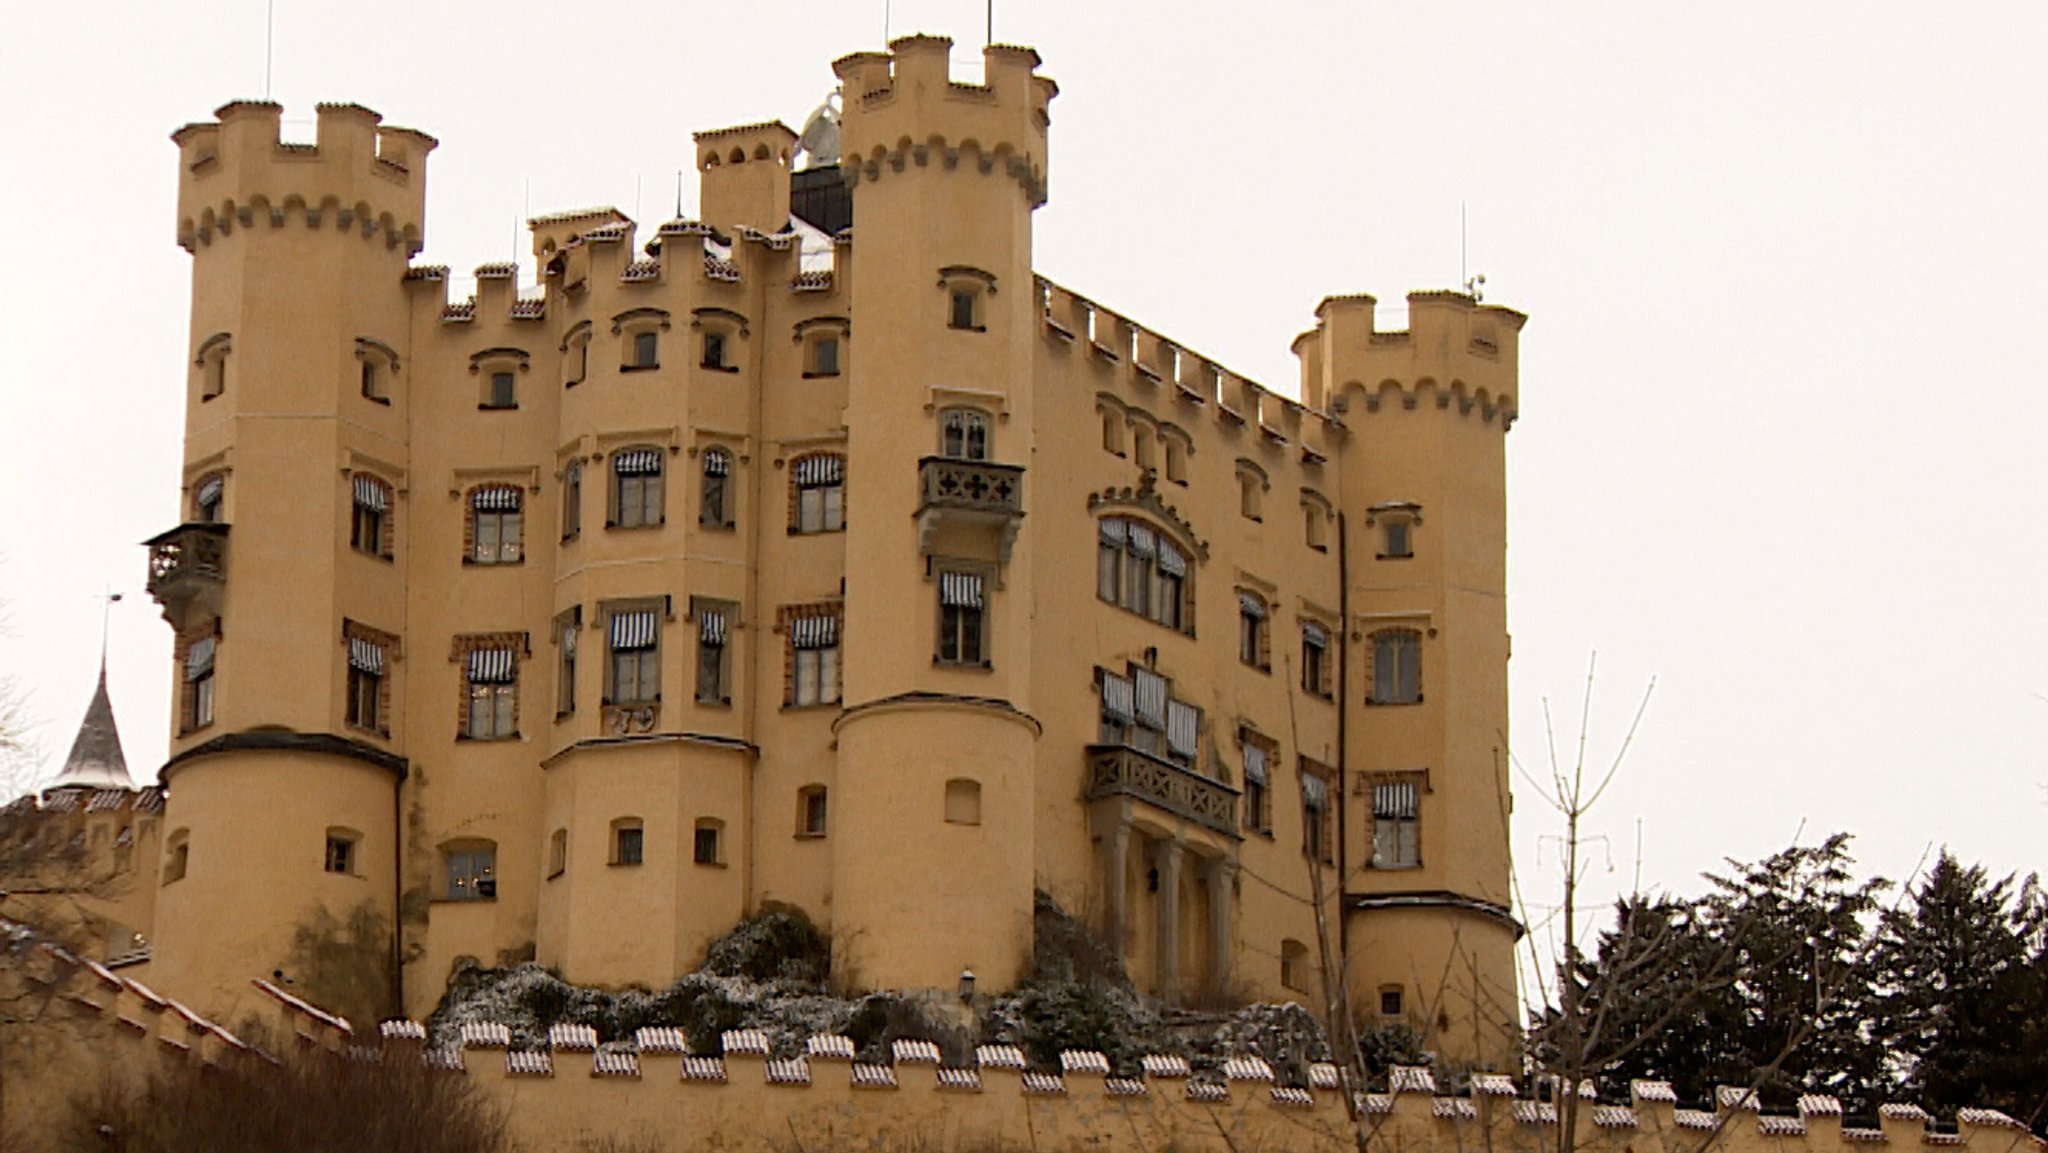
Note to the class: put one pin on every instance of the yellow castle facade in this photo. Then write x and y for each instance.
(815, 553)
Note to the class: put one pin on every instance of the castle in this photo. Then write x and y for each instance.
(816, 552)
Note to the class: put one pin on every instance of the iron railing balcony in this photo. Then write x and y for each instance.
(1119, 770)
(188, 572)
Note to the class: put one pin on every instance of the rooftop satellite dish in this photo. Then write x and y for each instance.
(818, 144)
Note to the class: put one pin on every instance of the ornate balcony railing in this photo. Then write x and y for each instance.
(188, 571)
(973, 491)
(1119, 770)
(971, 486)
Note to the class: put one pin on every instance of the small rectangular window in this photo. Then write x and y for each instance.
(714, 350)
(341, 854)
(810, 817)
(646, 345)
(1397, 541)
(963, 309)
(825, 356)
(501, 395)
(364, 689)
(704, 848)
(473, 875)
(631, 842)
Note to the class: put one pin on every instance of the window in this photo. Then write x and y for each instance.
(493, 688)
(964, 304)
(1315, 659)
(961, 620)
(963, 801)
(1294, 965)
(629, 841)
(199, 684)
(1139, 569)
(1315, 525)
(566, 627)
(714, 351)
(212, 363)
(558, 853)
(373, 388)
(646, 350)
(963, 434)
(1253, 639)
(1396, 829)
(814, 660)
(1140, 712)
(820, 494)
(1176, 460)
(636, 488)
(206, 499)
(1394, 542)
(636, 658)
(499, 391)
(711, 626)
(1113, 422)
(577, 362)
(1318, 840)
(370, 524)
(1396, 667)
(495, 516)
(824, 357)
(572, 500)
(1258, 808)
(1390, 1001)
(810, 811)
(470, 871)
(379, 367)
(1144, 448)
(177, 855)
(706, 846)
(366, 685)
(1251, 491)
(714, 505)
(341, 851)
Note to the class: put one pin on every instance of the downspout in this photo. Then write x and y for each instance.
(1343, 733)
(398, 894)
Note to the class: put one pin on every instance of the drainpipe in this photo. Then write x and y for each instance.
(1343, 733)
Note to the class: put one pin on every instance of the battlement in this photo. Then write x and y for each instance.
(1455, 350)
(903, 107)
(743, 175)
(357, 175)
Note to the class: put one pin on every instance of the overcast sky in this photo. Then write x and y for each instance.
(1782, 385)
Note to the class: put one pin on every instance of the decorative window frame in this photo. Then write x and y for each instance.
(1324, 844)
(786, 617)
(1257, 818)
(1252, 486)
(1388, 514)
(1370, 657)
(387, 517)
(492, 363)
(728, 648)
(1317, 514)
(520, 644)
(394, 653)
(210, 360)
(956, 280)
(1326, 686)
(1261, 625)
(613, 480)
(373, 355)
(936, 570)
(727, 324)
(663, 607)
(968, 413)
(796, 489)
(1371, 780)
(631, 324)
(702, 453)
(808, 334)
(470, 513)
(1156, 578)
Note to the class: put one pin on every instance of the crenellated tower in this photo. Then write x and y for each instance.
(286, 582)
(940, 426)
(1429, 918)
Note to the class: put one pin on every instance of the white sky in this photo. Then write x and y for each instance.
(1781, 390)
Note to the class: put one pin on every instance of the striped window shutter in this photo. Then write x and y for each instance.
(1252, 606)
(1315, 635)
(1171, 562)
(371, 494)
(199, 659)
(960, 590)
(1395, 802)
(1151, 698)
(1183, 724)
(366, 656)
(1141, 540)
(495, 500)
(711, 627)
(209, 491)
(637, 462)
(633, 630)
(1118, 701)
(817, 471)
(820, 632)
(491, 667)
(1112, 531)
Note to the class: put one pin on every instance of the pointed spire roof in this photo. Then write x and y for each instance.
(96, 761)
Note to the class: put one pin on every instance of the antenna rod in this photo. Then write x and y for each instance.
(679, 194)
(1461, 242)
(990, 39)
(269, 37)
(885, 23)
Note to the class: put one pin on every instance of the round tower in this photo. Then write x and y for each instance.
(285, 581)
(1429, 919)
(933, 813)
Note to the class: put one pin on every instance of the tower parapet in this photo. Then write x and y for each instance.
(358, 175)
(903, 107)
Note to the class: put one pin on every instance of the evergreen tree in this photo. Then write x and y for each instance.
(1962, 1001)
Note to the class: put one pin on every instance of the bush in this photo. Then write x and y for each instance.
(780, 944)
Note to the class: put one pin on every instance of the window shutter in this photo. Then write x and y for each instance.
(199, 659)
(1151, 693)
(1255, 765)
(711, 627)
(370, 494)
(366, 656)
(495, 500)
(1183, 723)
(960, 590)
(1315, 795)
(637, 462)
(1118, 701)
(490, 667)
(633, 630)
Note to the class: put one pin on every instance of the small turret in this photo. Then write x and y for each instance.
(95, 761)
(744, 176)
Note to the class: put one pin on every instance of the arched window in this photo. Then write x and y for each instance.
(212, 363)
(1396, 667)
(1138, 568)
(714, 506)
(963, 434)
(636, 488)
(207, 498)
(963, 801)
(496, 525)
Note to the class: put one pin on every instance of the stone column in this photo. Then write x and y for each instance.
(1219, 874)
(1166, 858)
(1116, 844)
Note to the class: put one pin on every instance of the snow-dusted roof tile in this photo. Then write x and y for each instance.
(1411, 1079)
(1247, 1069)
(1291, 1097)
(1159, 1066)
(1074, 1061)
(867, 1075)
(529, 1063)
(615, 1063)
(958, 1079)
(402, 1030)
(567, 1036)
(703, 1069)
(829, 1047)
(744, 1041)
(661, 1039)
(999, 1057)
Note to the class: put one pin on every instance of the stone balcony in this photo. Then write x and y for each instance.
(188, 573)
(971, 492)
(1119, 770)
